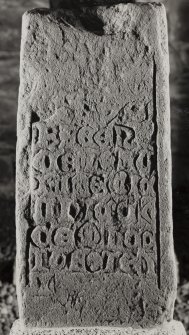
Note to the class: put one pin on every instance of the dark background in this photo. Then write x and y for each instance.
(10, 27)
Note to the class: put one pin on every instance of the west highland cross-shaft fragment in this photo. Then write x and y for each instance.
(94, 213)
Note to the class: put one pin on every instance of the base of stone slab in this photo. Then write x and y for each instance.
(170, 328)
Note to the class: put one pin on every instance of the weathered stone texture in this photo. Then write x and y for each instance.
(10, 20)
(171, 328)
(94, 170)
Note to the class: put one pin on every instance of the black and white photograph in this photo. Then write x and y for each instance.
(94, 167)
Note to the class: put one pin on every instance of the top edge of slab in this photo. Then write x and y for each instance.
(47, 11)
(105, 20)
(112, 18)
(90, 3)
(99, 20)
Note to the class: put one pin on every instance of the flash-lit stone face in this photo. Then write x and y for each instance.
(93, 171)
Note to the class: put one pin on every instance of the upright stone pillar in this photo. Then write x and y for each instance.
(94, 224)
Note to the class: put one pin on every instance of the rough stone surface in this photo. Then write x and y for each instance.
(94, 225)
(171, 328)
(10, 20)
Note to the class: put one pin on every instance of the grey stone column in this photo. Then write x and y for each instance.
(94, 214)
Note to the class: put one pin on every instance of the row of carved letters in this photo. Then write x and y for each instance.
(74, 211)
(70, 162)
(120, 184)
(91, 236)
(91, 261)
(57, 135)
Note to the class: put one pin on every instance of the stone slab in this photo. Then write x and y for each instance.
(172, 328)
(94, 212)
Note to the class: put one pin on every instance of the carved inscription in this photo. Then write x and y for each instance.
(93, 202)
(93, 169)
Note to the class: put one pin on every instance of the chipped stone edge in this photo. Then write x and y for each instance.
(170, 328)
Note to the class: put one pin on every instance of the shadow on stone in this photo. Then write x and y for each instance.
(7, 238)
(89, 3)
